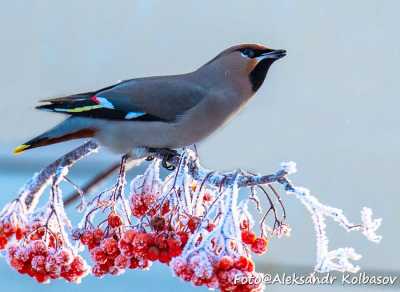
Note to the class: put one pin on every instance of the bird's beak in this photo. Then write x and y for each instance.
(272, 54)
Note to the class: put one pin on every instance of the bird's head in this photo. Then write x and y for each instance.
(249, 62)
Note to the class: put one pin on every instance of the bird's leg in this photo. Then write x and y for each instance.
(167, 154)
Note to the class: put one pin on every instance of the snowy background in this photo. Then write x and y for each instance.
(331, 105)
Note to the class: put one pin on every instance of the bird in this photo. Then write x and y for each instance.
(141, 115)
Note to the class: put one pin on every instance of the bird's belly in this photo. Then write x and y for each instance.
(123, 136)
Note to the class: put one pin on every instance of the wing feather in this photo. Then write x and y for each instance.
(145, 99)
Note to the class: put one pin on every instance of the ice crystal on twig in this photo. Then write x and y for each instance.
(339, 259)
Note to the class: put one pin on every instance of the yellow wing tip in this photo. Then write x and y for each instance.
(20, 149)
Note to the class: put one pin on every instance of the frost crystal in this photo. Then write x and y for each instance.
(339, 259)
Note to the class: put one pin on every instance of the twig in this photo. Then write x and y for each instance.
(98, 179)
(92, 184)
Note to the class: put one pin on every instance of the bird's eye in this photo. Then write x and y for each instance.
(248, 53)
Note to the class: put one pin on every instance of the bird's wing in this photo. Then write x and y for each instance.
(146, 99)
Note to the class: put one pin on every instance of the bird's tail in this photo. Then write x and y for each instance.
(68, 130)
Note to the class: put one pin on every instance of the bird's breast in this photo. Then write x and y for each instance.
(202, 120)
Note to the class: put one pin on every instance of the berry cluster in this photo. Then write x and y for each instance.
(141, 203)
(115, 252)
(224, 273)
(104, 246)
(145, 189)
(43, 263)
(12, 222)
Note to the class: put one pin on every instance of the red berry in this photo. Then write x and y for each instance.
(242, 263)
(41, 278)
(86, 237)
(165, 208)
(134, 263)
(174, 247)
(3, 242)
(98, 235)
(65, 257)
(164, 257)
(114, 220)
(111, 246)
(19, 234)
(121, 262)
(260, 245)
(225, 263)
(79, 266)
(192, 224)
(98, 255)
(248, 236)
(207, 197)
(184, 237)
(99, 271)
(250, 266)
(128, 236)
(39, 247)
(140, 203)
(140, 242)
(12, 250)
(52, 266)
(210, 227)
(39, 264)
(9, 229)
(17, 263)
(153, 253)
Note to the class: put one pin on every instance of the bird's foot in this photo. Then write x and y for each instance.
(167, 155)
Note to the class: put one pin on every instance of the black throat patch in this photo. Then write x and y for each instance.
(257, 76)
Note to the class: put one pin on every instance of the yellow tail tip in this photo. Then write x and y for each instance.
(21, 148)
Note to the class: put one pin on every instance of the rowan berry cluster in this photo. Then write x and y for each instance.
(221, 274)
(44, 253)
(117, 251)
(12, 223)
(43, 262)
(103, 240)
(216, 257)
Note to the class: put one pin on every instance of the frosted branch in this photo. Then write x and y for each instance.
(193, 220)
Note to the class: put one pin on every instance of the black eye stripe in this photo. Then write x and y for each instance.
(252, 53)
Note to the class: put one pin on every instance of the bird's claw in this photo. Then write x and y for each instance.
(167, 165)
(167, 157)
(150, 158)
